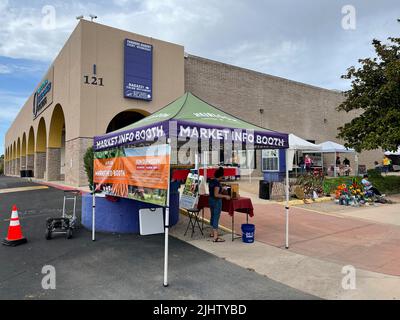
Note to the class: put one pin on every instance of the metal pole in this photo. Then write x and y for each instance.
(287, 201)
(206, 154)
(94, 214)
(322, 164)
(248, 164)
(356, 164)
(197, 167)
(334, 165)
(63, 214)
(166, 226)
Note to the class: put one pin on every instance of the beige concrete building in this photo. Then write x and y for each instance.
(82, 95)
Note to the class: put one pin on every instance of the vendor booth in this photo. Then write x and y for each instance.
(137, 162)
(335, 149)
(298, 147)
(395, 157)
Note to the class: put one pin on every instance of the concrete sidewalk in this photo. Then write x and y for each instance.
(380, 213)
(309, 274)
(365, 244)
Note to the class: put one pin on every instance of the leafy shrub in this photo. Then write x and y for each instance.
(88, 159)
(373, 173)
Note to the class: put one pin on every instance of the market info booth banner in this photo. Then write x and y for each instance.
(134, 173)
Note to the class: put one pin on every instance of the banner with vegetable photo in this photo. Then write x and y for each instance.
(134, 173)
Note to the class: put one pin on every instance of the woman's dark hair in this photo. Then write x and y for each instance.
(365, 176)
(219, 173)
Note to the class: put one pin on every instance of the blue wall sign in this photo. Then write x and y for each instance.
(138, 70)
(40, 100)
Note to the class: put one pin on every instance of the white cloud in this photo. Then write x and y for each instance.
(265, 56)
(301, 41)
(120, 3)
(4, 69)
(23, 36)
(10, 104)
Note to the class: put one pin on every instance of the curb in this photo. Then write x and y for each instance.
(306, 201)
(57, 186)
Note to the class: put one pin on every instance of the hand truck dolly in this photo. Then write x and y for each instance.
(67, 222)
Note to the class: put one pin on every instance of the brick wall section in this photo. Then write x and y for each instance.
(53, 164)
(289, 106)
(74, 166)
(18, 167)
(23, 163)
(40, 165)
(30, 162)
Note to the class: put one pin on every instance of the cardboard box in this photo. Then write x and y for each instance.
(233, 190)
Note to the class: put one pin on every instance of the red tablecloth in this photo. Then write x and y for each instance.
(243, 205)
(228, 172)
(178, 174)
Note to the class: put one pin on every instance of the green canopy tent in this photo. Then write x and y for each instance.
(191, 118)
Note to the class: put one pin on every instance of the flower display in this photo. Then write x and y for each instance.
(351, 194)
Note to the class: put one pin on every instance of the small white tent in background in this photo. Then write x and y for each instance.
(333, 147)
(299, 144)
(391, 153)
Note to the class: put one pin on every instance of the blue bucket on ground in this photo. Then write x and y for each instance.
(248, 231)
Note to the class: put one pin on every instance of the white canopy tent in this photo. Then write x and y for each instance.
(393, 153)
(333, 147)
(299, 144)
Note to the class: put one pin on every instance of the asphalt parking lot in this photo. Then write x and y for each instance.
(115, 266)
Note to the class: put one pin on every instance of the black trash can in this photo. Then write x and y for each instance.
(264, 191)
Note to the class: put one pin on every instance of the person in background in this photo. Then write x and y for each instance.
(386, 164)
(215, 202)
(368, 186)
(347, 167)
(338, 166)
(307, 163)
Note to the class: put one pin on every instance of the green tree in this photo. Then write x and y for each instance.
(375, 96)
(88, 160)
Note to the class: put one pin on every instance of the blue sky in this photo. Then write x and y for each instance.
(302, 40)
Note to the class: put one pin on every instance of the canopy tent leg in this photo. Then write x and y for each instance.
(334, 165)
(249, 164)
(166, 225)
(94, 215)
(166, 246)
(287, 201)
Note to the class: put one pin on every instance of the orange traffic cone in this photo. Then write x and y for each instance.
(14, 237)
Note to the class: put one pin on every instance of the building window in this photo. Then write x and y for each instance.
(245, 159)
(270, 160)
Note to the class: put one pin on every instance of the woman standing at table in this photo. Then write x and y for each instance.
(216, 202)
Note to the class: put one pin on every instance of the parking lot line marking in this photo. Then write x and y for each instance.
(11, 190)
